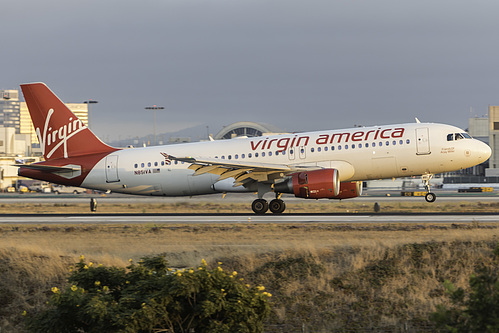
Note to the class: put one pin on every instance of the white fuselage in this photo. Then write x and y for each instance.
(358, 154)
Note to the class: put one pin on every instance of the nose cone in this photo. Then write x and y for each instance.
(482, 151)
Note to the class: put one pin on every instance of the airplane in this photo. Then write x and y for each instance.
(329, 164)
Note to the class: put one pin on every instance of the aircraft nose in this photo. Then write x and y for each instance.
(483, 151)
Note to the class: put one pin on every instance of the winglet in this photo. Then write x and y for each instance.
(417, 120)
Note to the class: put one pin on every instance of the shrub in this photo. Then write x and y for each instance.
(473, 310)
(150, 296)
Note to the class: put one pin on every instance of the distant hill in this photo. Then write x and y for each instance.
(191, 134)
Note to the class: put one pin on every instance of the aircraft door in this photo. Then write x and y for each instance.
(112, 169)
(291, 153)
(422, 141)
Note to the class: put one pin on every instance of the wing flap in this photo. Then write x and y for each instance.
(234, 173)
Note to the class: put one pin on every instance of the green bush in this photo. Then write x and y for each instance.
(149, 296)
(473, 310)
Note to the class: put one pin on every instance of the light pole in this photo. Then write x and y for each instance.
(88, 103)
(154, 108)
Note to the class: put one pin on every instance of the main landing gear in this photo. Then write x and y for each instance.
(261, 206)
(429, 197)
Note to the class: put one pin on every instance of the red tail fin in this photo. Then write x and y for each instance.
(60, 132)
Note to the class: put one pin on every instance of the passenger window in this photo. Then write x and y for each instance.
(401, 142)
(394, 142)
(263, 154)
(450, 137)
(136, 166)
(346, 146)
(243, 155)
(312, 149)
(367, 145)
(332, 148)
(141, 165)
(250, 155)
(374, 144)
(162, 163)
(256, 154)
(223, 157)
(353, 146)
(381, 144)
(408, 141)
(319, 149)
(339, 147)
(236, 157)
(149, 164)
(360, 145)
(270, 153)
(230, 157)
(325, 148)
(387, 143)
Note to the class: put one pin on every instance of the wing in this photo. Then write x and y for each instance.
(242, 172)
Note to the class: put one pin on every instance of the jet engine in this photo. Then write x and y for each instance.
(319, 184)
(349, 190)
(316, 184)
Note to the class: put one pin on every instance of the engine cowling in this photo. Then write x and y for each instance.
(349, 190)
(319, 184)
(316, 184)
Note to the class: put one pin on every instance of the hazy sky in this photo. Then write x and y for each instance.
(299, 65)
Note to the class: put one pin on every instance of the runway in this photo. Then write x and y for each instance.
(166, 218)
(48, 219)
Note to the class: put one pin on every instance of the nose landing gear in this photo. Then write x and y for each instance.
(429, 197)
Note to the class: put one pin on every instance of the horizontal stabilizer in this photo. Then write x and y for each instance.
(49, 168)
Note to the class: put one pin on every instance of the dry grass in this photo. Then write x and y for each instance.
(186, 245)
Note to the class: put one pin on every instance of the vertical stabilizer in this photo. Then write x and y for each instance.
(60, 132)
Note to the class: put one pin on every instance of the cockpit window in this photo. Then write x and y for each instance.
(458, 136)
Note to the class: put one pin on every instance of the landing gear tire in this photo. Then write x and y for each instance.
(277, 206)
(260, 206)
(430, 197)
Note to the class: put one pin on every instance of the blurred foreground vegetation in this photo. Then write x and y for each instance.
(323, 278)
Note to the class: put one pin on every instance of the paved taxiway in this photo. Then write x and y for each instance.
(244, 218)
